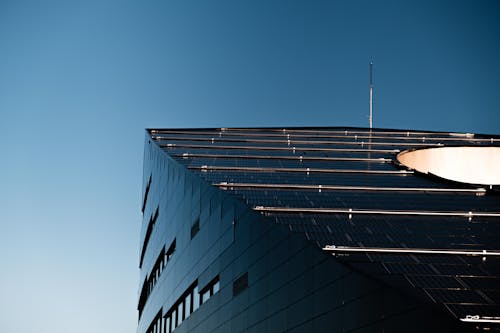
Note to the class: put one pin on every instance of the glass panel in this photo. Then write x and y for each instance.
(196, 298)
(216, 286)
(180, 313)
(205, 296)
(167, 324)
(174, 319)
(187, 303)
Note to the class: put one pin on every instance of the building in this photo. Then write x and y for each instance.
(316, 230)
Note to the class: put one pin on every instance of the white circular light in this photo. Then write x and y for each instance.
(472, 165)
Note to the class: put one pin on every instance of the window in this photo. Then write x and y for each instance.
(180, 313)
(151, 224)
(182, 308)
(216, 287)
(174, 319)
(187, 304)
(210, 289)
(146, 192)
(196, 298)
(156, 324)
(154, 276)
(205, 296)
(167, 325)
(240, 284)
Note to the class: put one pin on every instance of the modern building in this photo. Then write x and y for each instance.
(319, 230)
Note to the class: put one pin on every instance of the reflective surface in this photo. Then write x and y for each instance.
(473, 165)
(235, 186)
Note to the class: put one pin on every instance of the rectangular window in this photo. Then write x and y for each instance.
(179, 313)
(167, 325)
(196, 298)
(240, 284)
(187, 305)
(216, 287)
(174, 319)
(205, 296)
(182, 308)
(155, 325)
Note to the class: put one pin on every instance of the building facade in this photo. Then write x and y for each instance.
(313, 230)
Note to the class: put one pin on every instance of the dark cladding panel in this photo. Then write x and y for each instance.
(250, 211)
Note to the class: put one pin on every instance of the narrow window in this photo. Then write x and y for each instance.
(187, 304)
(174, 319)
(151, 224)
(205, 296)
(179, 313)
(154, 327)
(216, 286)
(196, 298)
(146, 192)
(167, 324)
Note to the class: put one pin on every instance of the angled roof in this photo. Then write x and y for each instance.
(345, 191)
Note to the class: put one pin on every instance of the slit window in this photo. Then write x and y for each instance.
(174, 319)
(151, 224)
(158, 268)
(187, 305)
(156, 323)
(182, 308)
(189, 302)
(166, 329)
(180, 313)
(196, 299)
(146, 193)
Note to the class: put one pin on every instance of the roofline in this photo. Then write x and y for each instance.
(348, 128)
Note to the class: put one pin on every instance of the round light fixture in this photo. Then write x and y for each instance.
(472, 165)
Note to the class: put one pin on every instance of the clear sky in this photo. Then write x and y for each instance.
(80, 80)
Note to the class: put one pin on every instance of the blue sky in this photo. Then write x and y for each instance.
(80, 80)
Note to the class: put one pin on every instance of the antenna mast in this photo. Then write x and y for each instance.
(371, 95)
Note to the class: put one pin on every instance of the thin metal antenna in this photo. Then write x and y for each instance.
(371, 95)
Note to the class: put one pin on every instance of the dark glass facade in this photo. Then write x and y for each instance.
(313, 230)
